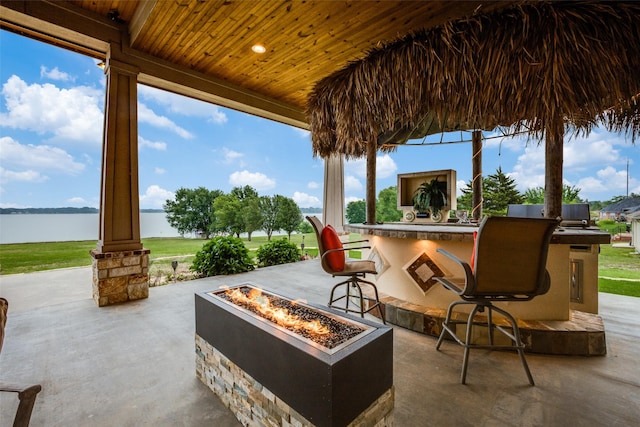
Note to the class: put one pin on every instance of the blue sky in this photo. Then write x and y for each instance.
(51, 113)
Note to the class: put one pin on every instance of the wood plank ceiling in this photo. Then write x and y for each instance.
(305, 40)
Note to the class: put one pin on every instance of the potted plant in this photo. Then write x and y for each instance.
(430, 198)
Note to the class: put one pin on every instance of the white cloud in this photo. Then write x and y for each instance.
(70, 115)
(313, 185)
(37, 159)
(257, 180)
(460, 184)
(348, 200)
(529, 169)
(580, 156)
(592, 151)
(183, 105)
(77, 201)
(385, 167)
(217, 116)
(55, 74)
(146, 115)
(608, 179)
(511, 143)
(590, 185)
(155, 197)
(303, 133)
(305, 200)
(160, 146)
(351, 183)
(230, 155)
(159, 171)
(23, 176)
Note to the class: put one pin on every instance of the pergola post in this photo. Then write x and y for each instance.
(333, 200)
(372, 151)
(476, 183)
(553, 168)
(120, 264)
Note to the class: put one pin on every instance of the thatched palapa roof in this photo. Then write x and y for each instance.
(528, 66)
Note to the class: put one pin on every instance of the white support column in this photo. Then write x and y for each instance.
(333, 200)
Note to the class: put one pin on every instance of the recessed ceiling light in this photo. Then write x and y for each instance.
(258, 48)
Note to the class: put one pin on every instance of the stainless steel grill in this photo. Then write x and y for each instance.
(574, 215)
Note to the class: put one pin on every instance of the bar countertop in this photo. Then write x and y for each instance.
(464, 232)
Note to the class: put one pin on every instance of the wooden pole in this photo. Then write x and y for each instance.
(476, 184)
(372, 151)
(553, 168)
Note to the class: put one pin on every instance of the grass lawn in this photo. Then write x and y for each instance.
(619, 271)
(30, 257)
(619, 287)
(614, 263)
(611, 226)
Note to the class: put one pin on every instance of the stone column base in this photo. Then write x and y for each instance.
(120, 276)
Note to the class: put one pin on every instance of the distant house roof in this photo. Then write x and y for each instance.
(627, 205)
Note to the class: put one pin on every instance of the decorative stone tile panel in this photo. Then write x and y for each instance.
(256, 406)
(582, 335)
(423, 271)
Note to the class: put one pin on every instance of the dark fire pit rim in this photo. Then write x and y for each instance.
(338, 316)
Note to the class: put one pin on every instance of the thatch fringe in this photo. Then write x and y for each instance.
(523, 67)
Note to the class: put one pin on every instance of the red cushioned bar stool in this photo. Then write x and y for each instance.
(333, 259)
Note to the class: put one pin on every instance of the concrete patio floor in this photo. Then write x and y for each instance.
(134, 364)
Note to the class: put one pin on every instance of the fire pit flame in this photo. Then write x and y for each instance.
(281, 316)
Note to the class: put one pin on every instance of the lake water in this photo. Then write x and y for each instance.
(27, 228)
(69, 227)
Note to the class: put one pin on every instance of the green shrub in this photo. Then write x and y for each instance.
(222, 255)
(277, 252)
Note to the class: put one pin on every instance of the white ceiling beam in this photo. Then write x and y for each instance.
(140, 18)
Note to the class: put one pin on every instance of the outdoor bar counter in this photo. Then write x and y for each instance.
(406, 260)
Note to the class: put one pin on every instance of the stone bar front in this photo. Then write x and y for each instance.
(268, 376)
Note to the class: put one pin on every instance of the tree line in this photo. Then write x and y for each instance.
(212, 212)
(498, 191)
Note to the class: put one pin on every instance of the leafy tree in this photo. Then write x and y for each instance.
(535, 196)
(252, 215)
(222, 255)
(269, 209)
(289, 216)
(498, 191)
(192, 210)
(277, 252)
(246, 192)
(571, 194)
(597, 205)
(465, 200)
(305, 228)
(228, 214)
(387, 205)
(356, 212)
(249, 211)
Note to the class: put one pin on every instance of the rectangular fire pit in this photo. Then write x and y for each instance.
(264, 371)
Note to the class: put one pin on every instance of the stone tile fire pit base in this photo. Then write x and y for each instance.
(271, 376)
(255, 405)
